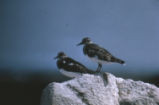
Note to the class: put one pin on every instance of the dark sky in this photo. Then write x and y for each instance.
(33, 31)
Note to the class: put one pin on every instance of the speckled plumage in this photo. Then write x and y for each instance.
(71, 68)
(94, 51)
(97, 53)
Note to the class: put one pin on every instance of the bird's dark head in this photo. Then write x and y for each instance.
(60, 55)
(84, 41)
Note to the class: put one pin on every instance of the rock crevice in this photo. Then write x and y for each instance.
(79, 94)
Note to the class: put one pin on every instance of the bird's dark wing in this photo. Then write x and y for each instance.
(93, 50)
(73, 66)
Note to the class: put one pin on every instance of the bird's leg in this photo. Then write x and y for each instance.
(99, 68)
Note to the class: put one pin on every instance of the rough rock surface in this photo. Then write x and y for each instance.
(105, 89)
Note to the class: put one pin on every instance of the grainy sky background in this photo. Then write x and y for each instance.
(32, 32)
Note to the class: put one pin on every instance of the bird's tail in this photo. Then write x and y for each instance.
(118, 60)
(92, 71)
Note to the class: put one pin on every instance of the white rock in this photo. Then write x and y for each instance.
(104, 89)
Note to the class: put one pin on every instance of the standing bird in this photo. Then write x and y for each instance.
(70, 67)
(97, 53)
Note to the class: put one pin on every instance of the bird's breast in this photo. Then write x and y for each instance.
(70, 74)
(97, 60)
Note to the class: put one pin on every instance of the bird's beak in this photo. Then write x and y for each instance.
(56, 57)
(79, 44)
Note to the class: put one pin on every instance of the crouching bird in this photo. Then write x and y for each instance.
(70, 67)
(98, 54)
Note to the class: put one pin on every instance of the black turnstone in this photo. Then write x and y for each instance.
(70, 67)
(98, 54)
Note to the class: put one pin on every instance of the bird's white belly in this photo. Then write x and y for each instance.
(70, 74)
(95, 59)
